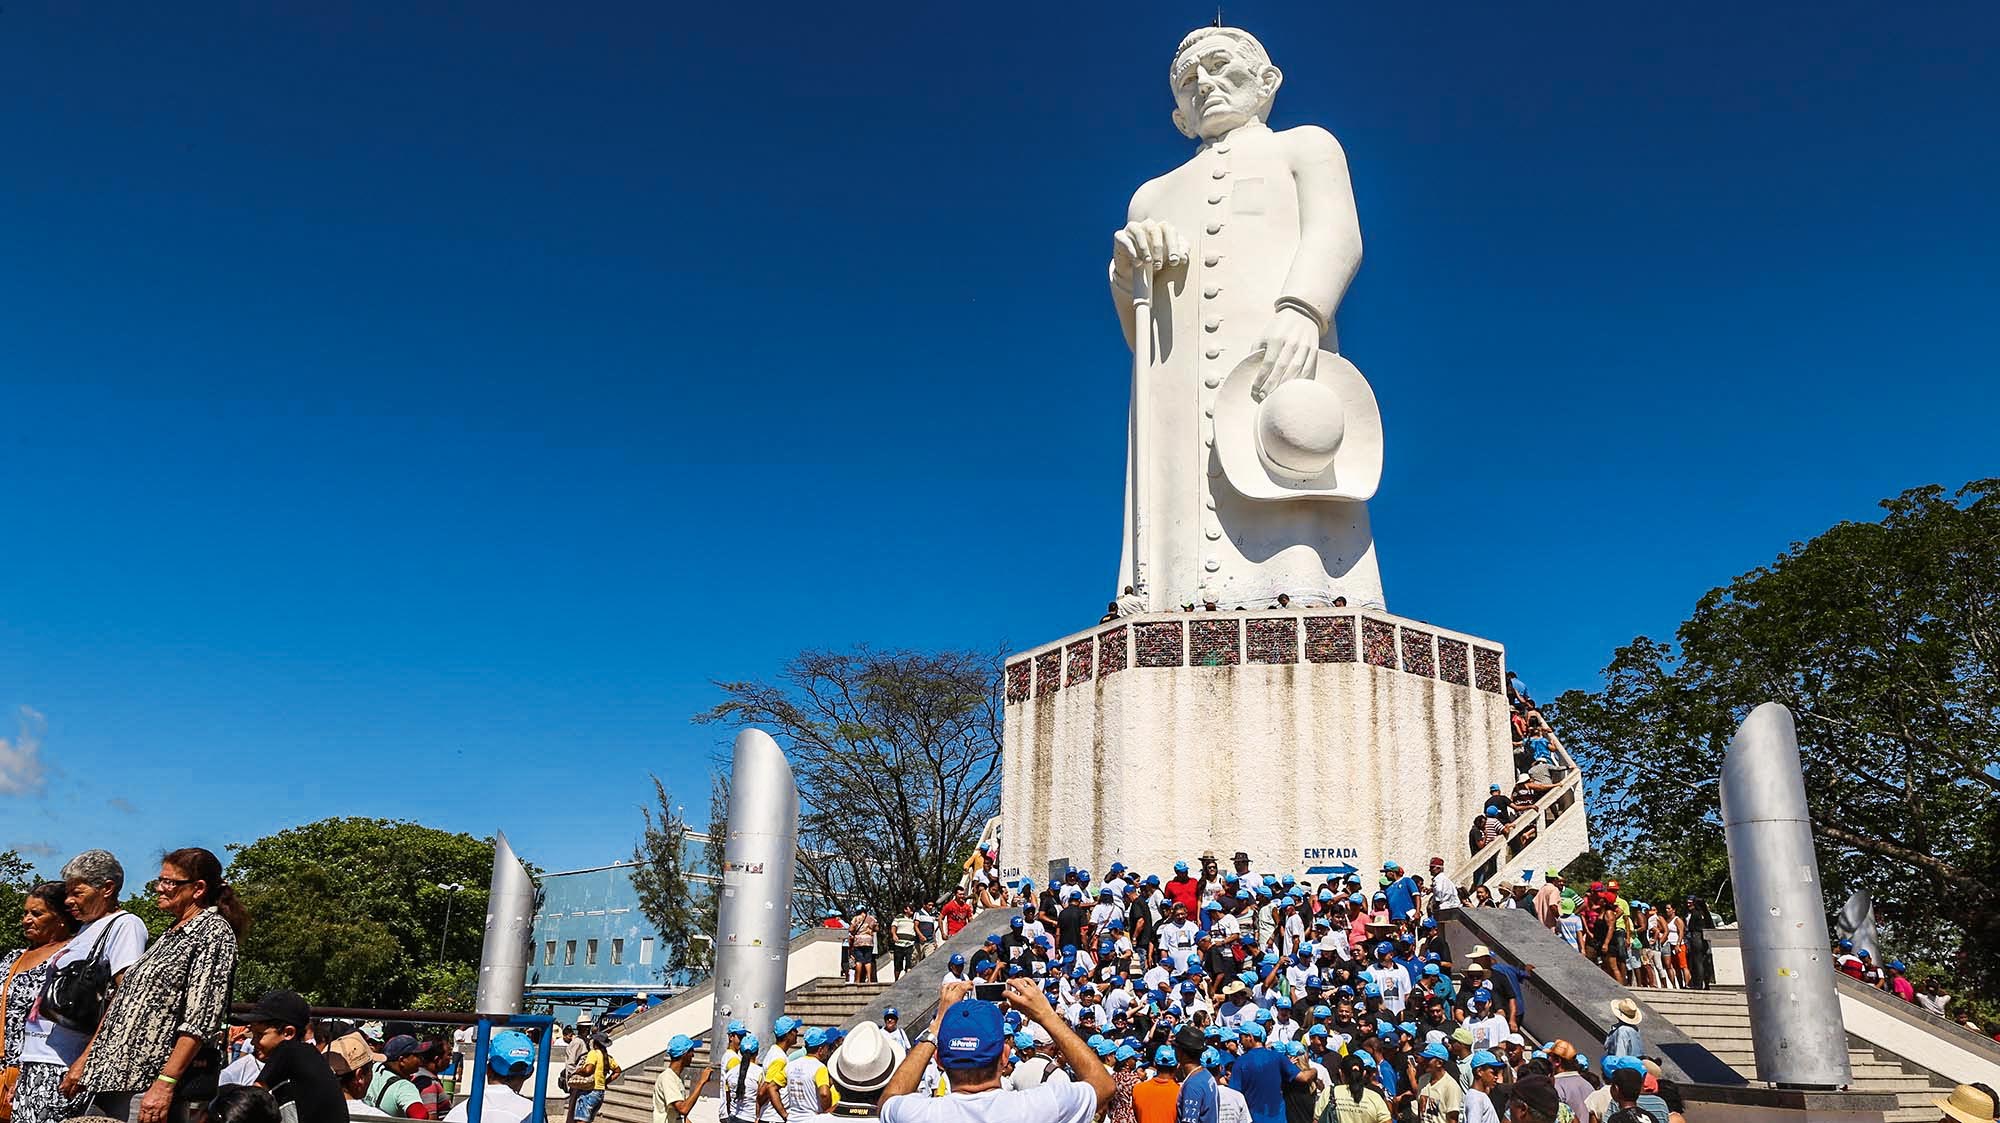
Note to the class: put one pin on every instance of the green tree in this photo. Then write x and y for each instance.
(1883, 639)
(17, 876)
(351, 912)
(897, 759)
(680, 908)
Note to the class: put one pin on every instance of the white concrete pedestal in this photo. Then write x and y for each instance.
(1314, 740)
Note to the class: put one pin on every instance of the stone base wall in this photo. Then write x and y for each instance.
(1311, 740)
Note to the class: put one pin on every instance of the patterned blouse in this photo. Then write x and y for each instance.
(20, 998)
(1122, 1110)
(179, 987)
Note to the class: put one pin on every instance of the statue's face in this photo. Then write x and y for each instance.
(1219, 87)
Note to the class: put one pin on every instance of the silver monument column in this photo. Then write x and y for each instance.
(753, 922)
(1795, 1024)
(510, 932)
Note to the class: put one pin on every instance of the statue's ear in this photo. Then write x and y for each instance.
(1271, 79)
(1181, 123)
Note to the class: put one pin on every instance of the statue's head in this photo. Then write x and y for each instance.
(1222, 78)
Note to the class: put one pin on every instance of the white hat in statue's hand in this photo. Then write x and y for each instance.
(1310, 438)
(1299, 428)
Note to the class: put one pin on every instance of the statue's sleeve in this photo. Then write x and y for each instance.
(1329, 231)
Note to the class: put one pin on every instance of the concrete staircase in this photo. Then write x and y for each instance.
(822, 1002)
(1720, 1020)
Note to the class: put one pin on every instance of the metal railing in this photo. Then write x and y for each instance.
(1528, 824)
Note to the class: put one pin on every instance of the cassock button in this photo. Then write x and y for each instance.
(1219, 173)
(1215, 228)
(1212, 533)
(1212, 381)
(1222, 150)
(1212, 323)
(1211, 565)
(1211, 259)
(1214, 352)
(1214, 199)
(1209, 501)
(1209, 291)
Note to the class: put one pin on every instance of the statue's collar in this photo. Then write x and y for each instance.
(1239, 133)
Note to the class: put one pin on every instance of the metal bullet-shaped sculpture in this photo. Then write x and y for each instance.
(510, 932)
(753, 920)
(1795, 1024)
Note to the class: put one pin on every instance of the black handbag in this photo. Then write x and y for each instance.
(76, 993)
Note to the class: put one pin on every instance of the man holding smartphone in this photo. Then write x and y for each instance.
(967, 1039)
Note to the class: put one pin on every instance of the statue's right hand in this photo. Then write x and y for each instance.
(1149, 243)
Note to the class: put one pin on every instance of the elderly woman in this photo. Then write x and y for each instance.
(47, 923)
(53, 1040)
(171, 1000)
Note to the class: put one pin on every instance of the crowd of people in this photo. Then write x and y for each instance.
(1276, 997)
(1240, 998)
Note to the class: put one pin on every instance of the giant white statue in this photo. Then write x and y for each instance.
(1254, 444)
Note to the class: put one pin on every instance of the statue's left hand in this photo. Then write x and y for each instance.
(1291, 350)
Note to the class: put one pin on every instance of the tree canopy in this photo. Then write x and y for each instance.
(350, 912)
(897, 759)
(1882, 639)
(679, 907)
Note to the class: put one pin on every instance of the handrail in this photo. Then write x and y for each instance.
(1484, 864)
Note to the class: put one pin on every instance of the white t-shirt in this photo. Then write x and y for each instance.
(802, 1086)
(1177, 942)
(752, 1075)
(1479, 1107)
(242, 1070)
(1029, 1074)
(1231, 1107)
(1051, 1102)
(501, 1105)
(1395, 985)
(1488, 1033)
(124, 942)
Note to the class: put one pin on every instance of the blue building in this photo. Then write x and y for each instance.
(595, 950)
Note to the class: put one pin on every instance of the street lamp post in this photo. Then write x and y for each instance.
(452, 889)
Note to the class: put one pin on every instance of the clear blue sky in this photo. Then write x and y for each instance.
(407, 410)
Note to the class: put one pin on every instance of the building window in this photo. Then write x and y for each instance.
(590, 953)
(617, 952)
(548, 953)
(569, 953)
(645, 949)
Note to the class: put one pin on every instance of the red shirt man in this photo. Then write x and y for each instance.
(957, 913)
(1182, 889)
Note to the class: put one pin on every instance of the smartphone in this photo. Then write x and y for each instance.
(989, 992)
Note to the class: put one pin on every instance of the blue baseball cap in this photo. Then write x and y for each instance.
(1125, 1053)
(1152, 879)
(956, 960)
(1319, 1031)
(1211, 1057)
(1326, 894)
(1211, 907)
(1024, 1040)
(1322, 1012)
(1230, 879)
(1018, 923)
(1180, 867)
(815, 1038)
(1105, 1047)
(892, 1012)
(1228, 1036)
(738, 1027)
(1164, 1055)
(1437, 1052)
(1265, 1016)
(510, 1052)
(1431, 969)
(679, 1045)
(1484, 1059)
(969, 1035)
(785, 1025)
(1251, 1029)
(749, 1044)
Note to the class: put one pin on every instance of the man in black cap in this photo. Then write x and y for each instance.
(294, 1072)
(1534, 1101)
(393, 1089)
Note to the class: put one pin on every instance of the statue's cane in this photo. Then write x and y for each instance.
(1142, 419)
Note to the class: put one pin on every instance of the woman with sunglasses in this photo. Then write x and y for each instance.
(172, 1000)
